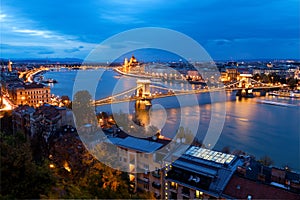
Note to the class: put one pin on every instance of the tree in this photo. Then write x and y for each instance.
(86, 177)
(292, 83)
(83, 109)
(256, 77)
(266, 160)
(21, 177)
(265, 78)
(187, 134)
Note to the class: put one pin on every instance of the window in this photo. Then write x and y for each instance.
(20, 93)
(185, 191)
(199, 194)
(124, 160)
(146, 186)
(173, 195)
(146, 166)
(174, 185)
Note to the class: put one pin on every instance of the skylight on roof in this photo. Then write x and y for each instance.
(210, 155)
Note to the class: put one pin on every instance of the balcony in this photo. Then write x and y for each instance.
(194, 180)
(156, 174)
(143, 180)
(132, 161)
(156, 185)
(185, 192)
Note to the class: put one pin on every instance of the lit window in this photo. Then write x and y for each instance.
(199, 194)
(174, 185)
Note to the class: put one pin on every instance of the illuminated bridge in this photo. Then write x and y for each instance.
(145, 91)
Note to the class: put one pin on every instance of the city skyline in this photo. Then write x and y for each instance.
(239, 30)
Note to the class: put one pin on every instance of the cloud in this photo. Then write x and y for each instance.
(222, 42)
(2, 17)
(41, 33)
(74, 29)
(20, 35)
(120, 18)
(71, 50)
(46, 52)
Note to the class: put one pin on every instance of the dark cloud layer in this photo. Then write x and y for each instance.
(215, 24)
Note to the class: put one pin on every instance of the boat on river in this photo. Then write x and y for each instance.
(275, 103)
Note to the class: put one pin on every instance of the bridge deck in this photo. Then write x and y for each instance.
(112, 100)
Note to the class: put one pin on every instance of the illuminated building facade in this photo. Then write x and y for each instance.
(33, 94)
(135, 156)
(128, 65)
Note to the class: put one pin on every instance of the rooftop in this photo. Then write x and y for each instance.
(240, 188)
(212, 170)
(209, 155)
(138, 144)
(34, 86)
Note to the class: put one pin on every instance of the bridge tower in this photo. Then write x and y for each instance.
(143, 95)
(245, 80)
(245, 83)
(143, 90)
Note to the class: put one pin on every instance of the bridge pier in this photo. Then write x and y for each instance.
(248, 93)
(143, 95)
(143, 104)
(142, 116)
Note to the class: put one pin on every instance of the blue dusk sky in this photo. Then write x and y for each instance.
(228, 30)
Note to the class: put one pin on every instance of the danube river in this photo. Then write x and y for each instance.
(258, 129)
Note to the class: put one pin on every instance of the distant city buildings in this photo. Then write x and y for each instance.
(130, 65)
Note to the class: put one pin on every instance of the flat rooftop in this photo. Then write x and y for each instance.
(210, 155)
(137, 144)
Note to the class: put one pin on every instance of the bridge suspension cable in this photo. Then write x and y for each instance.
(168, 89)
(117, 95)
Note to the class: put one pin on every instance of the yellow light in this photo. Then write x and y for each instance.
(51, 166)
(66, 166)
